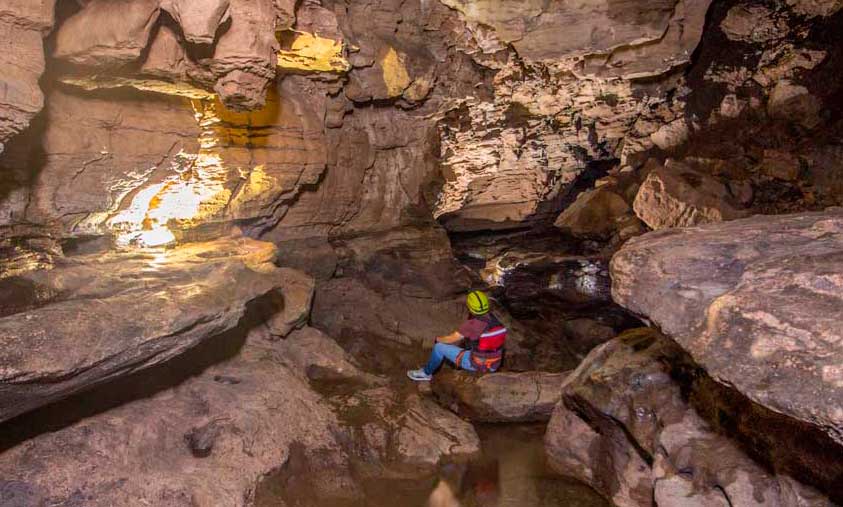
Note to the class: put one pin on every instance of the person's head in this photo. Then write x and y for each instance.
(477, 303)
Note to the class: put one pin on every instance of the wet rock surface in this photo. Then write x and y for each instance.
(396, 433)
(96, 317)
(755, 303)
(625, 426)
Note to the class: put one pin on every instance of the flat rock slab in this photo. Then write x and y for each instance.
(98, 317)
(500, 397)
(208, 441)
(758, 304)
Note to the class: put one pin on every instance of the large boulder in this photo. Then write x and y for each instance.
(319, 359)
(624, 427)
(499, 397)
(794, 103)
(595, 213)
(96, 317)
(203, 431)
(676, 195)
(757, 304)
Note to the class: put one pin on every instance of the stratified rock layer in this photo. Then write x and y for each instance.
(757, 303)
(97, 317)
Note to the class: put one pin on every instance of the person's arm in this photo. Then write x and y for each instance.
(450, 338)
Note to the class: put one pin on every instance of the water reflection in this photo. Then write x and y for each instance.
(511, 472)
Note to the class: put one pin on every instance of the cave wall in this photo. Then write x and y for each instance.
(368, 116)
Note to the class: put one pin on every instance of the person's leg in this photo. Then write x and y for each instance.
(467, 365)
(441, 351)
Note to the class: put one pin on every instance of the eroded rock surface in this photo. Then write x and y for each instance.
(624, 427)
(97, 317)
(207, 441)
(756, 303)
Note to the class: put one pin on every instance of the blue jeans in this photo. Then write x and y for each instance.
(442, 351)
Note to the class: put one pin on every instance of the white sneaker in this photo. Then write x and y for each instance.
(419, 375)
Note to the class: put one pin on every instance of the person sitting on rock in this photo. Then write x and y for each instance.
(485, 337)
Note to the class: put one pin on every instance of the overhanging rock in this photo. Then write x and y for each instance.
(97, 317)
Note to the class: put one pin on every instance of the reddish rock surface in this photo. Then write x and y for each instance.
(624, 427)
(207, 441)
(342, 131)
(756, 303)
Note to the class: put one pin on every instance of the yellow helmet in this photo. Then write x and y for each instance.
(477, 302)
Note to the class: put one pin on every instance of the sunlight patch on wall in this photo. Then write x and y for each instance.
(308, 52)
(196, 192)
(395, 75)
(214, 187)
(92, 83)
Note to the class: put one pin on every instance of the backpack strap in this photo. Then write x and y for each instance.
(460, 356)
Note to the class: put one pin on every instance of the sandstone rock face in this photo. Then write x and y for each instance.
(107, 34)
(675, 195)
(558, 104)
(119, 167)
(110, 36)
(755, 302)
(97, 317)
(199, 20)
(501, 396)
(623, 427)
(23, 24)
(207, 441)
